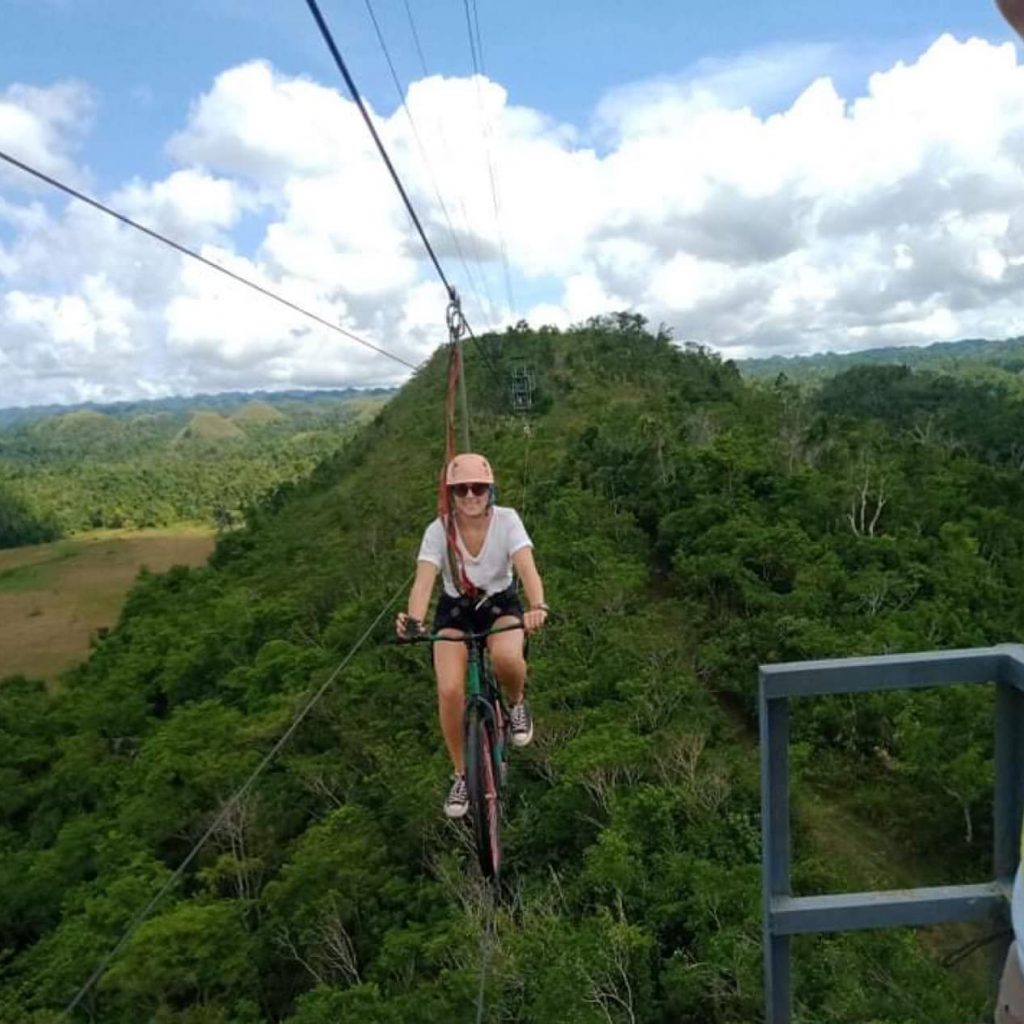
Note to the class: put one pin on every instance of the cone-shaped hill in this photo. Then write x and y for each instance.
(687, 525)
(205, 426)
(83, 426)
(257, 414)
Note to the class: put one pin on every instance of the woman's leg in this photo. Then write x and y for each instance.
(450, 668)
(507, 658)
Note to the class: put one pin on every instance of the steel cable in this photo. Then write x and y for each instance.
(230, 805)
(486, 948)
(423, 153)
(528, 431)
(186, 251)
(458, 195)
(358, 100)
(477, 54)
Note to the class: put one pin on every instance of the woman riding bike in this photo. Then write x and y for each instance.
(475, 548)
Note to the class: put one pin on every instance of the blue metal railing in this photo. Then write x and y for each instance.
(786, 915)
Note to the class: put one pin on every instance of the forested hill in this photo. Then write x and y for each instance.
(970, 355)
(294, 401)
(164, 462)
(688, 525)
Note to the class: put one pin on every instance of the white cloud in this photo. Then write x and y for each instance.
(42, 128)
(747, 204)
(752, 80)
(185, 203)
(71, 325)
(269, 128)
(833, 223)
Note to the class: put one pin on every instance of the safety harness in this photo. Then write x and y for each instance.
(456, 563)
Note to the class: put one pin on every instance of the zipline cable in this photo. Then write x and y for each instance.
(426, 159)
(358, 100)
(185, 251)
(486, 947)
(456, 328)
(476, 33)
(453, 295)
(476, 50)
(439, 124)
(477, 54)
(231, 803)
(964, 951)
(484, 354)
(416, 37)
(528, 431)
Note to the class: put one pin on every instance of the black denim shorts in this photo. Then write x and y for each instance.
(475, 614)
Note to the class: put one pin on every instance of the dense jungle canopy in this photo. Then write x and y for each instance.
(163, 462)
(689, 526)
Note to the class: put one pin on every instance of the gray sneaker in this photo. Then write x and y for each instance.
(522, 724)
(458, 798)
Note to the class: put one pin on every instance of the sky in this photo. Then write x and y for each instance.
(762, 178)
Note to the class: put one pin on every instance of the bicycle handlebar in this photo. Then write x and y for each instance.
(430, 638)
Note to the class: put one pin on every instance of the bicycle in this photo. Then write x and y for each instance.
(485, 751)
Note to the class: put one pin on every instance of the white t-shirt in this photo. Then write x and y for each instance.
(491, 570)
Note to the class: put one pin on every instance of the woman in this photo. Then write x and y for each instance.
(475, 550)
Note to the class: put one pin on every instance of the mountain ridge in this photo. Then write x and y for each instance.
(17, 415)
(938, 355)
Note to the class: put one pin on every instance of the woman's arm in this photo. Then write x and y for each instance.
(527, 570)
(419, 595)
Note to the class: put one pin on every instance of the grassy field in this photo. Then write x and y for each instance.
(53, 597)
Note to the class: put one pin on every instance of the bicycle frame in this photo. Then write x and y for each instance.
(482, 690)
(484, 724)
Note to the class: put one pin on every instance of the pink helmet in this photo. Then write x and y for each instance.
(468, 468)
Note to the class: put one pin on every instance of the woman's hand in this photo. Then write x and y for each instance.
(535, 618)
(406, 626)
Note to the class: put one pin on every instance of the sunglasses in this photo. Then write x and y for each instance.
(477, 490)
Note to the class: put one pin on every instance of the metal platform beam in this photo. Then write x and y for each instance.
(786, 915)
(895, 908)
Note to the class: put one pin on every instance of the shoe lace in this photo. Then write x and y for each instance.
(519, 716)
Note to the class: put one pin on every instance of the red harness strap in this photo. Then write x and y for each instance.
(463, 583)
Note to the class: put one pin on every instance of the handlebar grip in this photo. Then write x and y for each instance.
(413, 630)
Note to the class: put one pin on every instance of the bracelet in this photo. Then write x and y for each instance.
(542, 607)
